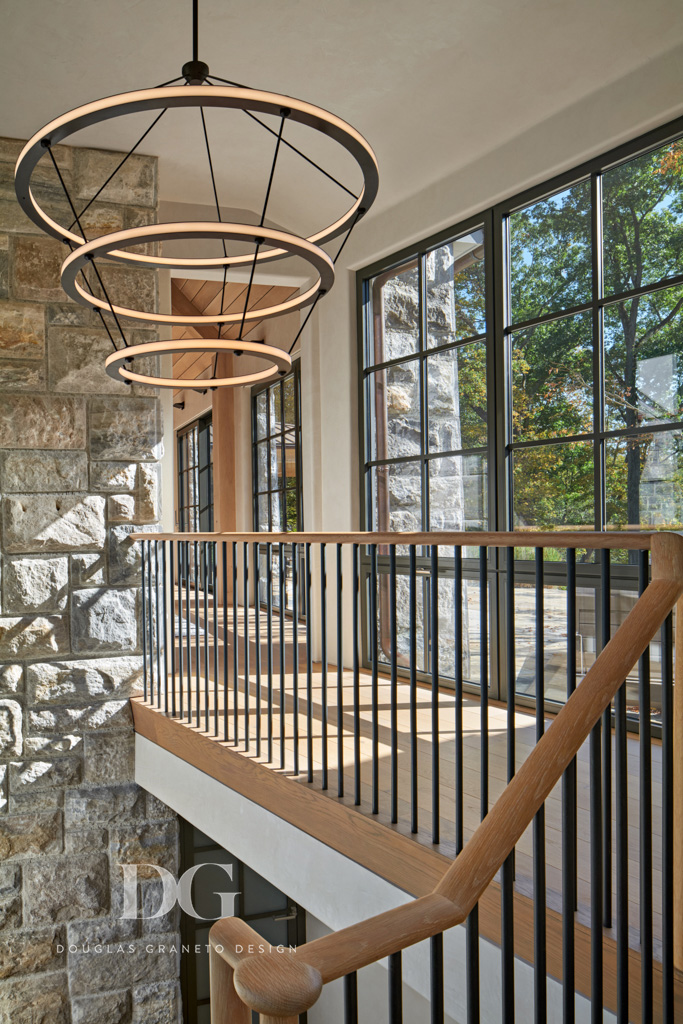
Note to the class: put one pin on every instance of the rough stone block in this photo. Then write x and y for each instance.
(157, 810)
(112, 714)
(53, 522)
(151, 895)
(26, 802)
(53, 774)
(4, 265)
(133, 288)
(124, 554)
(148, 491)
(107, 805)
(35, 584)
(58, 889)
(135, 184)
(152, 843)
(76, 359)
(59, 681)
(4, 785)
(87, 570)
(45, 746)
(35, 472)
(28, 952)
(160, 1003)
(109, 757)
(108, 1008)
(32, 636)
(109, 970)
(30, 835)
(22, 375)
(35, 999)
(103, 620)
(22, 330)
(11, 727)
(125, 429)
(121, 508)
(36, 263)
(11, 679)
(42, 421)
(88, 840)
(112, 476)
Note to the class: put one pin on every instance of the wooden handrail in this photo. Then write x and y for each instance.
(280, 986)
(633, 540)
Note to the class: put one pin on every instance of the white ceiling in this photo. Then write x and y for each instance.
(432, 85)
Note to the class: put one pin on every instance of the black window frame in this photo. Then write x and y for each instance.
(499, 329)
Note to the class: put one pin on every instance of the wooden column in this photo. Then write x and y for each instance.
(226, 1005)
(224, 458)
(678, 791)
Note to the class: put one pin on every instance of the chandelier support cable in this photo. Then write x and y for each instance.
(285, 115)
(251, 281)
(213, 177)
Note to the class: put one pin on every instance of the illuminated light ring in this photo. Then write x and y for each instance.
(116, 364)
(291, 245)
(195, 96)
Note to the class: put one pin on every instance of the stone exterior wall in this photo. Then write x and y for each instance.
(78, 472)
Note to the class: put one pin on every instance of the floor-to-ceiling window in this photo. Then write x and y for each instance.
(276, 474)
(525, 371)
(195, 485)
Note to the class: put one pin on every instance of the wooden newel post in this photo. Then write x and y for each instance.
(678, 791)
(226, 1005)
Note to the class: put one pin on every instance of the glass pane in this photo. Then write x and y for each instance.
(276, 510)
(260, 896)
(402, 621)
(276, 479)
(396, 318)
(456, 297)
(553, 486)
(290, 401)
(550, 254)
(644, 360)
(262, 512)
(621, 603)
(395, 494)
(262, 466)
(554, 639)
(292, 508)
(458, 493)
(290, 457)
(275, 406)
(393, 398)
(552, 379)
(644, 480)
(456, 398)
(261, 414)
(642, 215)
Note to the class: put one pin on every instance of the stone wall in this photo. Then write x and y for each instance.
(78, 472)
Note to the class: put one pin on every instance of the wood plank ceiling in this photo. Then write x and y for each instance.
(191, 297)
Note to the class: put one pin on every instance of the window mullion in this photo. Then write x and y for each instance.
(598, 356)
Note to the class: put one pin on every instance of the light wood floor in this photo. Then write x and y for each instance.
(340, 735)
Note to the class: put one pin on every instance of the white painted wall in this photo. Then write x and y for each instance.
(335, 892)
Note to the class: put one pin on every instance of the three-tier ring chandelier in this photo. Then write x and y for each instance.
(82, 278)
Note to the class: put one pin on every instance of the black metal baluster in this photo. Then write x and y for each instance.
(472, 965)
(340, 679)
(269, 641)
(351, 998)
(257, 644)
(356, 681)
(235, 651)
(484, 681)
(540, 968)
(309, 666)
(412, 611)
(214, 578)
(282, 582)
(295, 652)
(205, 626)
(395, 989)
(394, 684)
(323, 668)
(667, 823)
(224, 565)
(436, 978)
(151, 612)
(196, 635)
(459, 753)
(247, 676)
(569, 818)
(164, 619)
(181, 666)
(434, 659)
(606, 753)
(508, 873)
(188, 637)
(645, 737)
(171, 612)
(374, 666)
(143, 569)
(157, 618)
(621, 811)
